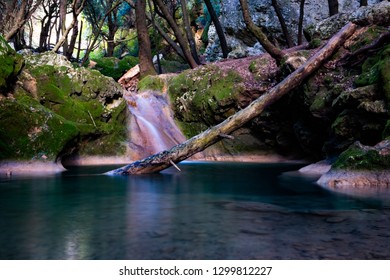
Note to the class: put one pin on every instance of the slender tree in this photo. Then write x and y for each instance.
(286, 33)
(161, 31)
(218, 28)
(363, 3)
(50, 9)
(300, 22)
(274, 51)
(145, 50)
(98, 30)
(178, 33)
(333, 7)
(188, 29)
(77, 8)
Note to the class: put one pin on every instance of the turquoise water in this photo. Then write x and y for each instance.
(207, 211)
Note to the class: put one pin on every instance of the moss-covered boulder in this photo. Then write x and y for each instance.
(56, 110)
(361, 157)
(10, 65)
(204, 96)
(28, 130)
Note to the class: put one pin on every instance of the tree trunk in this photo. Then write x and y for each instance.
(300, 23)
(79, 43)
(76, 10)
(73, 38)
(207, 138)
(333, 7)
(187, 27)
(274, 51)
(218, 28)
(178, 34)
(286, 33)
(99, 30)
(64, 31)
(145, 49)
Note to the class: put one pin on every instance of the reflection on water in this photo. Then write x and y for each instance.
(207, 211)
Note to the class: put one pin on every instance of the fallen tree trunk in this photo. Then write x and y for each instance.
(214, 134)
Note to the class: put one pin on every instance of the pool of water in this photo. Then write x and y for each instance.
(207, 211)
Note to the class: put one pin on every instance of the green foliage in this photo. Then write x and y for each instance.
(114, 67)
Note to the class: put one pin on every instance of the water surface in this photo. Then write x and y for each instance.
(207, 211)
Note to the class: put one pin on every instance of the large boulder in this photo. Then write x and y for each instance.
(56, 110)
(360, 166)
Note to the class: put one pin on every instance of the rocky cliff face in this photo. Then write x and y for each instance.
(263, 14)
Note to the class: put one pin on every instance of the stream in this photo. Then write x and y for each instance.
(208, 211)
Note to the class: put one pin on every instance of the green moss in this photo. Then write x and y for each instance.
(28, 130)
(206, 94)
(375, 68)
(151, 82)
(356, 158)
(11, 64)
(315, 43)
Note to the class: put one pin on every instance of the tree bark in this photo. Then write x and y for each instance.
(300, 23)
(207, 138)
(286, 33)
(178, 34)
(187, 27)
(333, 7)
(274, 51)
(76, 10)
(218, 28)
(145, 49)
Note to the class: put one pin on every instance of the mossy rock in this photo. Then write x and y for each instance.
(359, 157)
(80, 106)
(206, 94)
(11, 64)
(374, 69)
(28, 130)
(114, 67)
(151, 82)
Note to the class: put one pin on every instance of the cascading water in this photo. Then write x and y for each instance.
(151, 128)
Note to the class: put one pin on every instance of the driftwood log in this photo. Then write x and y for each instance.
(198, 143)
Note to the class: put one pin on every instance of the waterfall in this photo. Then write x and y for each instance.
(151, 128)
